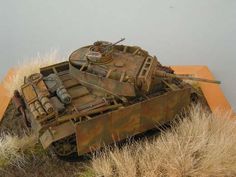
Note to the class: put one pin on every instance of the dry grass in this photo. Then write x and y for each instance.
(13, 149)
(29, 66)
(23, 156)
(202, 144)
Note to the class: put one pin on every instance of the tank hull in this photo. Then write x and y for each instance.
(115, 125)
(108, 101)
(122, 123)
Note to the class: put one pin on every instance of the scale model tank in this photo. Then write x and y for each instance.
(105, 93)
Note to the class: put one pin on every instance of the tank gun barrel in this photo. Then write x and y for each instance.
(112, 44)
(122, 39)
(168, 75)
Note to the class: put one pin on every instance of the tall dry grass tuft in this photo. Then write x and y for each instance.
(29, 66)
(120, 162)
(200, 144)
(12, 149)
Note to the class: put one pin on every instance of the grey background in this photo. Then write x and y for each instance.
(189, 32)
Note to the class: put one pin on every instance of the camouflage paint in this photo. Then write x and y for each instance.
(128, 121)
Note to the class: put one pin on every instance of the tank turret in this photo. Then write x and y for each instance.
(121, 70)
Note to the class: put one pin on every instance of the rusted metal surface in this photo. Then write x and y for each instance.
(109, 85)
(146, 73)
(56, 133)
(128, 121)
(20, 106)
(162, 109)
(108, 128)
